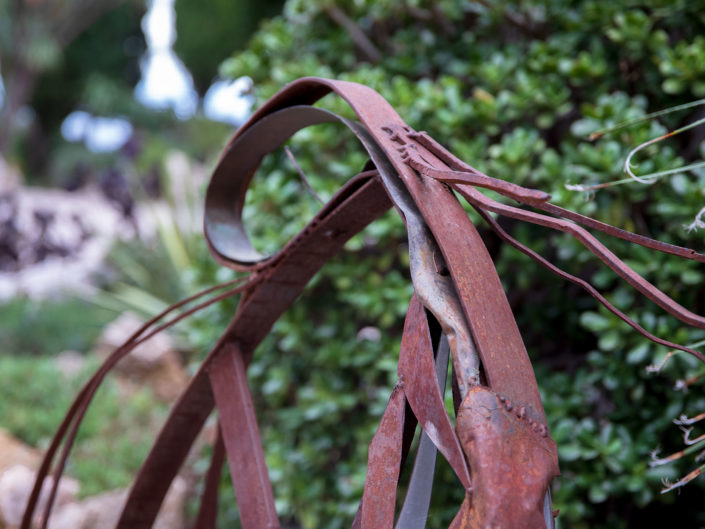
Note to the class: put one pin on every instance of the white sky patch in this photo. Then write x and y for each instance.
(98, 133)
(159, 25)
(75, 126)
(228, 101)
(165, 83)
(108, 134)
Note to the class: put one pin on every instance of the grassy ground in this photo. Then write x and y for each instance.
(34, 395)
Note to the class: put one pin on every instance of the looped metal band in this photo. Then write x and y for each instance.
(500, 448)
(225, 198)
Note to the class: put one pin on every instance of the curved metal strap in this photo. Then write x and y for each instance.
(463, 173)
(383, 466)
(486, 310)
(241, 437)
(596, 247)
(414, 512)
(208, 510)
(225, 198)
(473, 298)
(479, 290)
(433, 288)
(418, 377)
(357, 204)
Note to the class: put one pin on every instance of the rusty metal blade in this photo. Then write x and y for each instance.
(583, 284)
(414, 512)
(418, 377)
(167, 454)
(528, 197)
(383, 466)
(355, 206)
(591, 243)
(241, 437)
(208, 509)
(496, 434)
(487, 311)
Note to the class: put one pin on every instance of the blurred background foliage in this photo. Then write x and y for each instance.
(514, 89)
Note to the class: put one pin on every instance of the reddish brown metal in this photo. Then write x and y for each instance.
(208, 512)
(383, 466)
(71, 422)
(582, 284)
(501, 449)
(527, 196)
(523, 459)
(596, 247)
(242, 441)
(358, 203)
(417, 376)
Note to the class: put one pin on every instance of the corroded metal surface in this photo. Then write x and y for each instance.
(419, 380)
(522, 459)
(500, 448)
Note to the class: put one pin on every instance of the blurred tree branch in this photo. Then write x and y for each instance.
(31, 42)
(356, 34)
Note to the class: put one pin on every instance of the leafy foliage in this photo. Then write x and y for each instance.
(514, 89)
(32, 328)
(229, 26)
(49, 57)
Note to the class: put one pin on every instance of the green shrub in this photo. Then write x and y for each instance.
(47, 327)
(514, 89)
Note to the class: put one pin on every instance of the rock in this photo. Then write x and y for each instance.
(70, 363)
(95, 512)
(57, 239)
(144, 356)
(15, 452)
(16, 486)
(70, 516)
(371, 334)
(18, 463)
(154, 363)
(171, 515)
(103, 510)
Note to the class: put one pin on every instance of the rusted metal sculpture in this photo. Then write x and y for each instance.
(500, 448)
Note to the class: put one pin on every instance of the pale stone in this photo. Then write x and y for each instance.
(70, 363)
(371, 334)
(16, 485)
(83, 222)
(70, 516)
(15, 452)
(102, 511)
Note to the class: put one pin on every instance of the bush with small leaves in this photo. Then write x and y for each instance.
(514, 89)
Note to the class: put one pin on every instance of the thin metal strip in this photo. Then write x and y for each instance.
(603, 253)
(167, 454)
(383, 466)
(243, 445)
(255, 316)
(414, 512)
(418, 377)
(208, 510)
